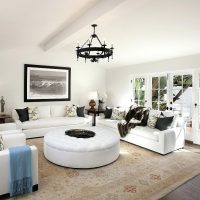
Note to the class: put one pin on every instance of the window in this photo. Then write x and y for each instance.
(181, 84)
(159, 93)
(139, 91)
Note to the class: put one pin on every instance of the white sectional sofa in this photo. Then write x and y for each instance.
(50, 117)
(153, 139)
(13, 138)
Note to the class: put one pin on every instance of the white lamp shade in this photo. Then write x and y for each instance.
(93, 95)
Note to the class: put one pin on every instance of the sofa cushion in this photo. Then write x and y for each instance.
(108, 113)
(23, 114)
(44, 112)
(153, 116)
(70, 111)
(164, 123)
(52, 122)
(118, 114)
(108, 123)
(146, 132)
(80, 111)
(57, 110)
(175, 119)
(33, 113)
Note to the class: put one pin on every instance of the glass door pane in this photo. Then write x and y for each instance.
(159, 93)
(139, 86)
(182, 92)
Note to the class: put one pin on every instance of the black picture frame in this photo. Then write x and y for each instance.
(54, 88)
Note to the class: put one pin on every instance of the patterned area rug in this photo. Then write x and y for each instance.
(137, 174)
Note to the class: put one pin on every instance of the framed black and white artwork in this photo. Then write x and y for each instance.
(46, 83)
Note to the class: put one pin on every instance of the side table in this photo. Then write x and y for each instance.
(3, 118)
(94, 112)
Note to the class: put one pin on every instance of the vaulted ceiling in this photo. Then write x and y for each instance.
(141, 30)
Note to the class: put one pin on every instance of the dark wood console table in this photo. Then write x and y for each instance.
(94, 112)
(3, 118)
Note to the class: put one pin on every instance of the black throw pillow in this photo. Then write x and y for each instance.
(108, 113)
(23, 114)
(164, 123)
(80, 111)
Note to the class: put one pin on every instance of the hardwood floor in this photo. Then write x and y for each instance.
(189, 190)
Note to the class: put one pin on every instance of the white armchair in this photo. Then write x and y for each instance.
(11, 139)
(9, 128)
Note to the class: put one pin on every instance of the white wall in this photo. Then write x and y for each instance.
(117, 79)
(84, 77)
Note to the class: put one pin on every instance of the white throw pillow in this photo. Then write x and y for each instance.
(153, 117)
(118, 114)
(44, 112)
(58, 110)
(70, 111)
(1, 143)
(33, 113)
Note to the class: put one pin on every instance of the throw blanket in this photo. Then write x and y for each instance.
(20, 170)
(135, 117)
(124, 127)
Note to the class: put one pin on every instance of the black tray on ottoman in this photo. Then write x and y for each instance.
(80, 133)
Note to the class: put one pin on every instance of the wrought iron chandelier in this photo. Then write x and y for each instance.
(94, 53)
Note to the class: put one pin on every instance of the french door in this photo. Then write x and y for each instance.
(196, 109)
(178, 92)
(181, 99)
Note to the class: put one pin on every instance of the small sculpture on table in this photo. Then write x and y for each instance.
(2, 104)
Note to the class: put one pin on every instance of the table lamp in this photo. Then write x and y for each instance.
(93, 96)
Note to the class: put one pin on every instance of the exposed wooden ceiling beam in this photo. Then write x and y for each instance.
(99, 9)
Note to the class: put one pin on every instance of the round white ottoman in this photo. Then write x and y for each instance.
(73, 152)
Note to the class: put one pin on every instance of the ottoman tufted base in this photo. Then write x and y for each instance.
(67, 151)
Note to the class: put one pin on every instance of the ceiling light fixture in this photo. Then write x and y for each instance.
(94, 53)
